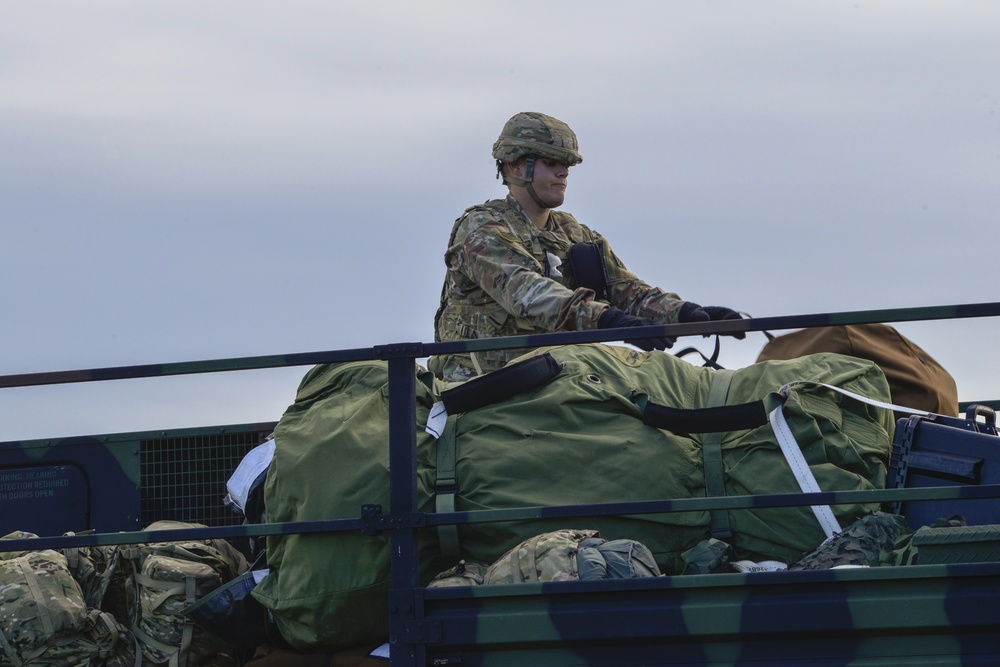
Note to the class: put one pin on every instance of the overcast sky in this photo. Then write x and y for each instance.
(198, 180)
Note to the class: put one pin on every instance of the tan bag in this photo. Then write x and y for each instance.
(916, 380)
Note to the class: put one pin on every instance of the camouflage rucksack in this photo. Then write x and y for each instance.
(567, 555)
(466, 573)
(44, 619)
(862, 544)
(167, 578)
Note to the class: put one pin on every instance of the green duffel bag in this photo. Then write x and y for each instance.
(576, 434)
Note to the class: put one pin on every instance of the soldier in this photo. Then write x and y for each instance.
(517, 266)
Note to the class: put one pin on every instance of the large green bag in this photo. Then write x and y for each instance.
(577, 438)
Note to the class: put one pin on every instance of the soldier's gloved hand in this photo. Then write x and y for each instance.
(613, 318)
(692, 312)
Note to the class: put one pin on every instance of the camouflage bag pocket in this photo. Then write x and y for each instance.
(42, 612)
(113, 644)
(166, 586)
(169, 577)
(546, 557)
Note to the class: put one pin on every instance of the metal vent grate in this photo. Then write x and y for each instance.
(184, 478)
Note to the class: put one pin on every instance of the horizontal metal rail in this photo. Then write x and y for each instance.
(420, 350)
(377, 522)
(404, 520)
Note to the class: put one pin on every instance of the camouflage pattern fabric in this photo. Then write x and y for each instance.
(169, 577)
(49, 611)
(598, 558)
(505, 277)
(533, 133)
(545, 557)
(42, 613)
(91, 567)
(466, 573)
(16, 535)
(568, 555)
(113, 643)
(106, 598)
(863, 543)
(707, 557)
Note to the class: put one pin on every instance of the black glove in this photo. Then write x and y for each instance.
(612, 318)
(692, 312)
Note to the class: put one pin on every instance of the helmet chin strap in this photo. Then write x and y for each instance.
(529, 176)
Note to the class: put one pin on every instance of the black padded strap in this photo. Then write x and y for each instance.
(500, 384)
(705, 420)
(588, 268)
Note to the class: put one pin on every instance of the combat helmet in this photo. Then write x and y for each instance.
(529, 134)
(532, 133)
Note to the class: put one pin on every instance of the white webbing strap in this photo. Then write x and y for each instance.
(803, 475)
(857, 397)
(793, 453)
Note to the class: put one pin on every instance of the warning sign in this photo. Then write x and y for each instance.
(46, 500)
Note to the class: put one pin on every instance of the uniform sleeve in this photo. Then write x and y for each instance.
(492, 257)
(627, 292)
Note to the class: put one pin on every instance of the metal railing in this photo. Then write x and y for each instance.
(404, 519)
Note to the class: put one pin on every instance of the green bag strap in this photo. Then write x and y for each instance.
(445, 487)
(9, 651)
(528, 572)
(711, 448)
(31, 579)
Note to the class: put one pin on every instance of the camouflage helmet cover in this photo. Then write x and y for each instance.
(532, 133)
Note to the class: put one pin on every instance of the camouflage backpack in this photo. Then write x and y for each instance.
(862, 544)
(167, 578)
(44, 619)
(567, 555)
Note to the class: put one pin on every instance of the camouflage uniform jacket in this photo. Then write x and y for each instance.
(506, 277)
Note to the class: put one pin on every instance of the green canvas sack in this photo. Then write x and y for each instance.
(578, 437)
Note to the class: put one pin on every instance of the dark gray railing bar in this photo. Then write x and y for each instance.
(405, 561)
(418, 350)
(387, 523)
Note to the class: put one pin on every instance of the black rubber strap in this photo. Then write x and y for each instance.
(725, 418)
(500, 384)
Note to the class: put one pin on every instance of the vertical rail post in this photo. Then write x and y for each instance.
(403, 502)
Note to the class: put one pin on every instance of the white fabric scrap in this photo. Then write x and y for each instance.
(253, 464)
(763, 566)
(554, 263)
(436, 420)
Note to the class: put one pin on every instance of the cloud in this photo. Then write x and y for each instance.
(192, 180)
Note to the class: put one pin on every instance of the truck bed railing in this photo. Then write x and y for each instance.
(429, 625)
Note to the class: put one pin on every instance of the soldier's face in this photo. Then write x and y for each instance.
(549, 181)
